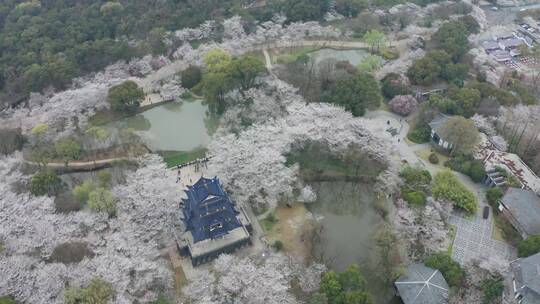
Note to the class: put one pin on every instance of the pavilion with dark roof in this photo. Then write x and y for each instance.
(214, 224)
(422, 285)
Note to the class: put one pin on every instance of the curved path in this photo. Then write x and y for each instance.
(79, 165)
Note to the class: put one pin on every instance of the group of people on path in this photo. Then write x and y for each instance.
(199, 163)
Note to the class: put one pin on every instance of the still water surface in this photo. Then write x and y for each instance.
(174, 126)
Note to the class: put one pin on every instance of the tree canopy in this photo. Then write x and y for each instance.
(348, 287)
(191, 76)
(462, 133)
(244, 69)
(302, 10)
(97, 292)
(125, 97)
(45, 183)
(355, 93)
(47, 43)
(102, 200)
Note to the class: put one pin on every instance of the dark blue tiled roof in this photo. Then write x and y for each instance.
(208, 211)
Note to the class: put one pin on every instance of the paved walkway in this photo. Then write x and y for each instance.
(474, 240)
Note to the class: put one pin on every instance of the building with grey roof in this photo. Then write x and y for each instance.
(522, 208)
(422, 285)
(526, 280)
(436, 125)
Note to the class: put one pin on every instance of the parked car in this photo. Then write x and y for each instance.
(486, 212)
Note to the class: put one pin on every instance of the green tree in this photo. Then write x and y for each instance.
(375, 39)
(348, 287)
(529, 246)
(45, 183)
(215, 86)
(493, 195)
(97, 292)
(467, 99)
(68, 149)
(191, 76)
(111, 9)
(99, 133)
(415, 178)
(462, 133)
(217, 60)
(448, 187)
(428, 69)
(125, 97)
(104, 178)
(477, 171)
(82, 191)
(450, 269)
(243, 71)
(452, 37)
(355, 94)
(302, 10)
(369, 64)
(350, 8)
(493, 289)
(156, 41)
(102, 200)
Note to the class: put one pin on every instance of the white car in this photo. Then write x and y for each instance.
(494, 8)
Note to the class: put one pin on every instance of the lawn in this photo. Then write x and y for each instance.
(173, 158)
(424, 155)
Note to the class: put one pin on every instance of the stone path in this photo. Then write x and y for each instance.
(474, 240)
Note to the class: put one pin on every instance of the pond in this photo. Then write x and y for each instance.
(349, 224)
(354, 57)
(173, 126)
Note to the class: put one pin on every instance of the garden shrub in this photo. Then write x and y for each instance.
(450, 269)
(448, 187)
(493, 289)
(493, 195)
(467, 165)
(421, 134)
(414, 197)
(433, 158)
(529, 246)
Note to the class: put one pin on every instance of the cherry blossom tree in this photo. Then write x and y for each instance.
(403, 104)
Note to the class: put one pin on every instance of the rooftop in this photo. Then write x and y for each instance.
(490, 45)
(511, 162)
(422, 285)
(527, 274)
(511, 42)
(208, 211)
(439, 121)
(525, 207)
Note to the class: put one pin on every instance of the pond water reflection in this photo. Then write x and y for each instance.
(174, 126)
